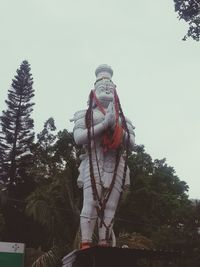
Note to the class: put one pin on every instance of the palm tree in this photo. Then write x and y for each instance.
(53, 207)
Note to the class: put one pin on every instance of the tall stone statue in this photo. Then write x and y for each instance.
(107, 136)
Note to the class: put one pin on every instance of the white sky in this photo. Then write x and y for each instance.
(157, 74)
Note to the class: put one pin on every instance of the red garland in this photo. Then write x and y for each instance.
(111, 140)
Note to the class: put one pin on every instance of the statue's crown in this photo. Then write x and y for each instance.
(103, 71)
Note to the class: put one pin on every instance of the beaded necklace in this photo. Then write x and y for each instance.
(114, 143)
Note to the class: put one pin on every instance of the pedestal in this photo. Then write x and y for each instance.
(121, 257)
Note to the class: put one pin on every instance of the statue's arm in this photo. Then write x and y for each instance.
(81, 133)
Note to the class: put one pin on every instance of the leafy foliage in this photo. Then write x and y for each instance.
(2, 224)
(52, 206)
(54, 203)
(157, 205)
(44, 164)
(134, 240)
(51, 258)
(189, 10)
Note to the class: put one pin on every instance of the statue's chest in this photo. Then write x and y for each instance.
(98, 117)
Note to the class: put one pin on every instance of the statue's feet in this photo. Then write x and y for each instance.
(85, 245)
(103, 243)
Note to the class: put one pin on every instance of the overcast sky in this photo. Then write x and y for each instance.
(156, 73)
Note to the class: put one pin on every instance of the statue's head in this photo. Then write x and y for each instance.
(104, 87)
(103, 71)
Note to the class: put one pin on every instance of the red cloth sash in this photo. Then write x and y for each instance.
(111, 139)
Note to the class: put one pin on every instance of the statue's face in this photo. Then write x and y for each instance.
(104, 90)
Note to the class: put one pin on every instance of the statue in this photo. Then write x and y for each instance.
(107, 136)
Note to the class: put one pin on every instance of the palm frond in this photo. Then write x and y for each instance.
(51, 258)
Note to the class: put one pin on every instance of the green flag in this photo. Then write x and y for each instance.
(11, 254)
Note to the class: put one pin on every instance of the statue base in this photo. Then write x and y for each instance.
(118, 257)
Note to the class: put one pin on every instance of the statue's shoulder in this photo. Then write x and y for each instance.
(79, 115)
(129, 122)
(130, 125)
(79, 119)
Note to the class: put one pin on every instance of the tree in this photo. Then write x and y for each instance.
(17, 127)
(2, 162)
(67, 155)
(16, 140)
(157, 205)
(54, 203)
(44, 166)
(189, 10)
(54, 208)
(2, 224)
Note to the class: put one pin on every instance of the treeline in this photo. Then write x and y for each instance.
(189, 11)
(40, 201)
